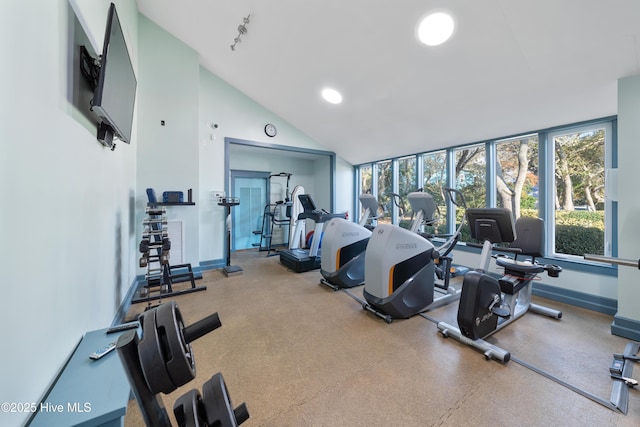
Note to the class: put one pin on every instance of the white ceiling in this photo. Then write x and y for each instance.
(512, 66)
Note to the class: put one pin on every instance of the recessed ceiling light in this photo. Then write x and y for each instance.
(332, 96)
(436, 28)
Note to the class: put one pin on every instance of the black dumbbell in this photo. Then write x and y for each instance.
(144, 245)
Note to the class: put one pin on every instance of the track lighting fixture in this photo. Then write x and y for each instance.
(242, 30)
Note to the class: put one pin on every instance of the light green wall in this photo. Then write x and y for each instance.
(187, 152)
(241, 118)
(68, 233)
(628, 200)
(73, 209)
(168, 154)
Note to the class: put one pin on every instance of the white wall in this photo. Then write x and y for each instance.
(66, 212)
(344, 188)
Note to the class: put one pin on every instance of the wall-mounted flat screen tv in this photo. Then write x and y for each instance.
(115, 93)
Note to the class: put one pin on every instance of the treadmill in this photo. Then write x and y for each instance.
(305, 259)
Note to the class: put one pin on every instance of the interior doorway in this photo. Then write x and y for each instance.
(252, 189)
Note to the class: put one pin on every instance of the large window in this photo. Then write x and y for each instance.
(579, 191)
(365, 185)
(555, 174)
(434, 180)
(470, 174)
(517, 175)
(406, 184)
(385, 188)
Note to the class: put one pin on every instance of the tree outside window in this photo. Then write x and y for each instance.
(470, 175)
(385, 188)
(406, 184)
(471, 180)
(572, 192)
(366, 185)
(434, 166)
(579, 197)
(517, 175)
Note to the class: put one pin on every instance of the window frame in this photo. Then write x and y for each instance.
(549, 213)
(546, 208)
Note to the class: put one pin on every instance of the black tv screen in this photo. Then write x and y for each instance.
(115, 94)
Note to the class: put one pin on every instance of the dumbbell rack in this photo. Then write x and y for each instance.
(161, 275)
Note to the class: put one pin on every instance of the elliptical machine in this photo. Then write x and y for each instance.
(400, 264)
(344, 244)
(488, 304)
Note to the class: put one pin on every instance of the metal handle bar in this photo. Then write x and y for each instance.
(612, 260)
(453, 195)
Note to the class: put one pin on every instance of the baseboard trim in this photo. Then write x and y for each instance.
(621, 326)
(576, 298)
(212, 264)
(625, 327)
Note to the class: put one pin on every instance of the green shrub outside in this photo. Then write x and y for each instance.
(580, 232)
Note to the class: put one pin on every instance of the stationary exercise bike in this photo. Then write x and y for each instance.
(488, 304)
(400, 264)
(344, 244)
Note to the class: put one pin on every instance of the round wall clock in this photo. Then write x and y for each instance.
(270, 130)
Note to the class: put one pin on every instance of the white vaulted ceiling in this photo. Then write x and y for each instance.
(512, 65)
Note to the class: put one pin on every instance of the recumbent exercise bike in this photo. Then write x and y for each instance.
(488, 304)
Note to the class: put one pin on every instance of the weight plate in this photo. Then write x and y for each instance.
(189, 411)
(151, 353)
(217, 404)
(179, 360)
